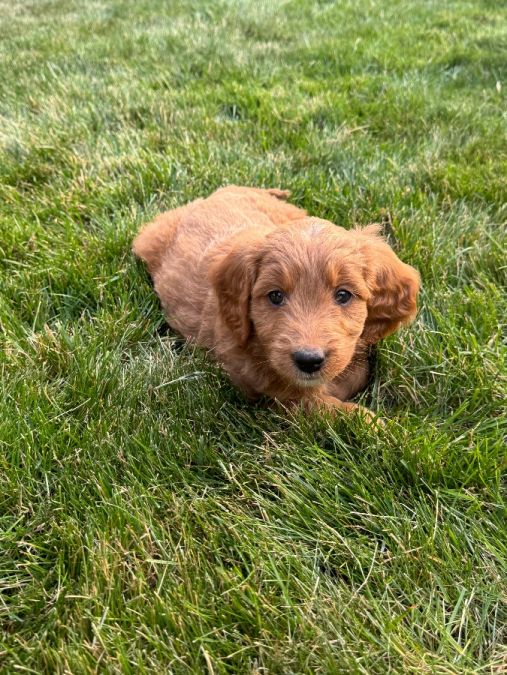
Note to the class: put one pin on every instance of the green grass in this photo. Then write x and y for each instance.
(151, 520)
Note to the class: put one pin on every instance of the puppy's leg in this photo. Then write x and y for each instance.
(155, 238)
(324, 401)
(332, 403)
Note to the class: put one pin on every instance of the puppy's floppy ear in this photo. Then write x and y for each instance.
(233, 275)
(393, 286)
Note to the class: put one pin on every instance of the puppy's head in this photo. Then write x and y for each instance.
(311, 293)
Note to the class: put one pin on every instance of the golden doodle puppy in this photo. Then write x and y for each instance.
(287, 303)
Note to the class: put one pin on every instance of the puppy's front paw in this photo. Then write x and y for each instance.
(370, 416)
(332, 403)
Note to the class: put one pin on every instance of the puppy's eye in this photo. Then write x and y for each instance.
(342, 297)
(276, 298)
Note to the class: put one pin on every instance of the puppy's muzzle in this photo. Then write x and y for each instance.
(309, 360)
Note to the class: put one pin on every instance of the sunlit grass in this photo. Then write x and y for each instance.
(151, 519)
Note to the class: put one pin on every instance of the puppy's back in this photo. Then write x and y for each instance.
(226, 209)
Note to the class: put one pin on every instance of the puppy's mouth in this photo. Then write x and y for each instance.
(307, 380)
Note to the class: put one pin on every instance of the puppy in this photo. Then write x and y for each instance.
(288, 304)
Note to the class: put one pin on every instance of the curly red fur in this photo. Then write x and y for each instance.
(215, 261)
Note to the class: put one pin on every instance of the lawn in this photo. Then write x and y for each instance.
(151, 519)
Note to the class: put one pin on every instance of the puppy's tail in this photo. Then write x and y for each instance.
(279, 194)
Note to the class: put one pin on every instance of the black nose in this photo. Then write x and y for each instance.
(308, 360)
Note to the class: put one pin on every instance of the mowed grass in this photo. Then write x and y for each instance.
(152, 520)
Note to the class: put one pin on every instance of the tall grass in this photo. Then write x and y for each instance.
(151, 520)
